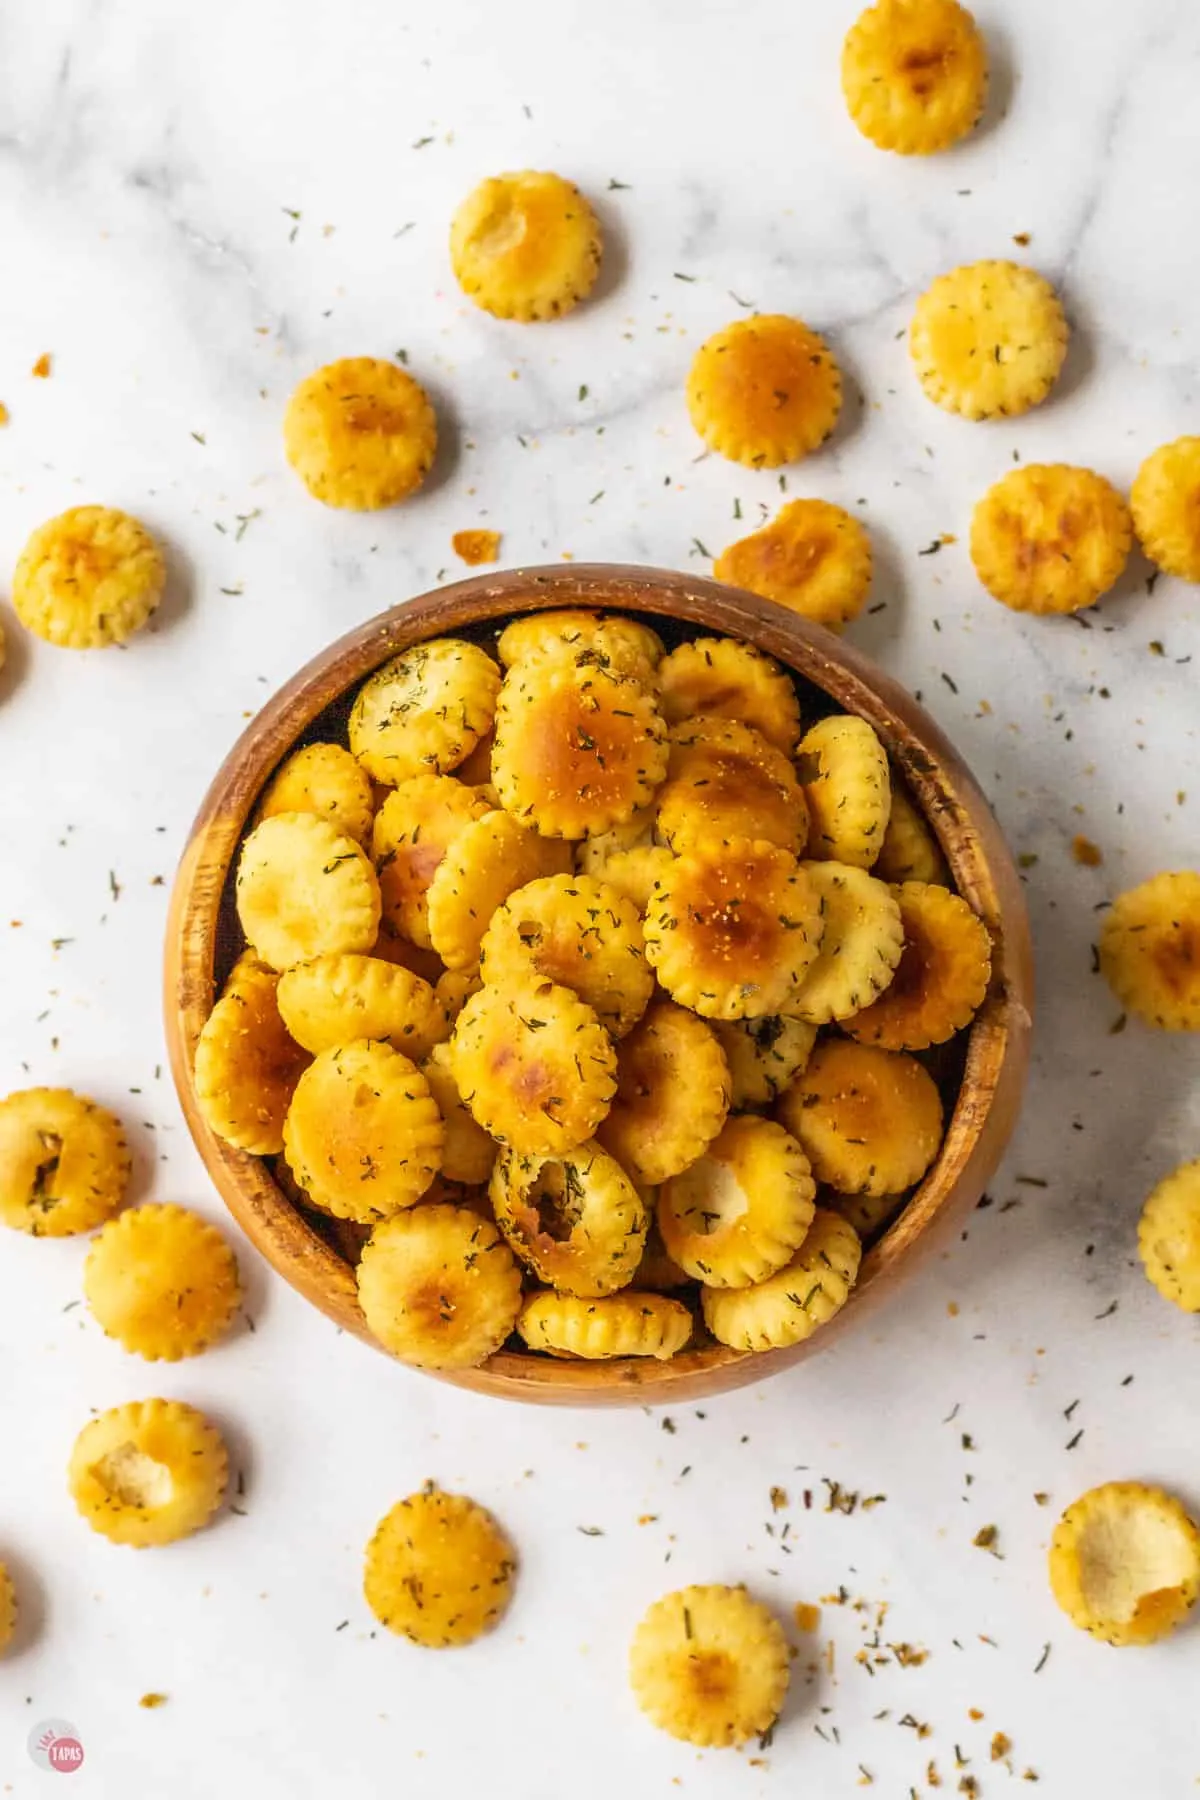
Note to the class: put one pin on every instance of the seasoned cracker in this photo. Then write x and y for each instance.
(148, 1473)
(742, 1209)
(732, 929)
(988, 340)
(439, 1287)
(1125, 1563)
(576, 1220)
(64, 1162)
(672, 1094)
(796, 1301)
(360, 433)
(764, 391)
(525, 246)
(162, 1282)
(914, 74)
(710, 1665)
(424, 712)
(813, 557)
(626, 1324)
(88, 578)
(439, 1570)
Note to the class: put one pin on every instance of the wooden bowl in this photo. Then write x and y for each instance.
(201, 942)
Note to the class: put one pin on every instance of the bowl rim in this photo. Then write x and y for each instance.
(952, 802)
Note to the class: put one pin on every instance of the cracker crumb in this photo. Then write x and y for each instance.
(1086, 854)
(975, 1714)
(1001, 1745)
(808, 1618)
(474, 547)
(1022, 238)
(150, 1701)
(779, 1499)
(41, 367)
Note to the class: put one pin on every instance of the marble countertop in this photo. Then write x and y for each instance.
(199, 206)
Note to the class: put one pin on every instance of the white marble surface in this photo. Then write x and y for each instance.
(148, 161)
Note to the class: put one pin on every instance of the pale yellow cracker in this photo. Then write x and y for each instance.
(247, 1064)
(1125, 1563)
(988, 340)
(490, 859)
(1150, 950)
(438, 1570)
(910, 851)
(733, 929)
(577, 931)
(861, 944)
(468, 1153)
(578, 749)
(304, 890)
(672, 1094)
(611, 642)
(333, 1000)
(764, 1055)
(1169, 1237)
(634, 833)
(90, 577)
(363, 1134)
(796, 1301)
(439, 1287)
(525, 246)
(941, 979)
(710, 1665)
(742, 1209)
(724, 780)
(64, 1162)
(424, 711)
(847, 784)
(453, 990)
(148, 1473)
(360, 433)
(914, 74)
(764, 391)
(162, 1282)
(8, 1609)
(576, 1220)
(534, 1065)
(414, 828)
(633, 873)
(723, 678)
(813, 558)
(625, 1324)
(1165, 502)
(323, 779)
(870, 1121)
(1048, 538)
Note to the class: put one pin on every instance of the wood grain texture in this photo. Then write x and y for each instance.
(998, 1048)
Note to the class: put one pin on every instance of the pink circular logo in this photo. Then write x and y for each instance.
(55, 1745)
(66, 1753)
